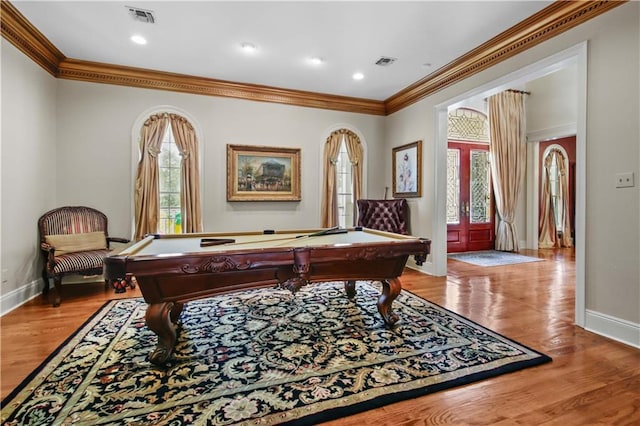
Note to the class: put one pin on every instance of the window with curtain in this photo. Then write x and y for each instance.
(555, 220)
(555, 191)
(344, 179)
(167, 186)
(342, 184)
(169, 165)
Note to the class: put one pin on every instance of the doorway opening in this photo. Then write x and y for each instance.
(556, 200)
(574, 56)
(470, 206)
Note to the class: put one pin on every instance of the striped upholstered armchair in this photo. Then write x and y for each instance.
(73, 240)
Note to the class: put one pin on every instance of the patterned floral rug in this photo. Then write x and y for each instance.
(492, 258)
(261, 357)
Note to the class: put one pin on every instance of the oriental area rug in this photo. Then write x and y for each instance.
(492, 258)
(261, 357)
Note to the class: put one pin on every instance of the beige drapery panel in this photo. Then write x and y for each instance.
(329, 193)
(547, 230)
(566, 240)
(146, 197)
(355, 152)
(507, 127)
(548, 233)
(185, 137)
(329, 210)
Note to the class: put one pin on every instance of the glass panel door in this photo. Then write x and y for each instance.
(453, 186)
(470, 215)
(480, 192)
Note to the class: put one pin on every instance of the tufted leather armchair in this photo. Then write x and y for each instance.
(384, 215)
(73, 240)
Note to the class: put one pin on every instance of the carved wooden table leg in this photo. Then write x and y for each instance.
(390, 290)
(161, 319)
(350, 288)
(176, 310)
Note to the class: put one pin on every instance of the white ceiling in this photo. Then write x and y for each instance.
(203, 38)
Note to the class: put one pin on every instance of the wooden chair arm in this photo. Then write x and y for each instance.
(51, 254)
(117, 240)
(46, 247)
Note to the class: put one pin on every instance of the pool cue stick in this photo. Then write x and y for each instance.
(208, 242)
(329, 231)
(319, 233)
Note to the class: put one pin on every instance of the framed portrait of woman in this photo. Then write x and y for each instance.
(407, 170)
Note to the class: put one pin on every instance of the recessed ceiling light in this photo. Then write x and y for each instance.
(316, 60)
(138, 39)
(248, 47)
(358, 76)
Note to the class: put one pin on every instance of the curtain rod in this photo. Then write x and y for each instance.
(512, 90)
(518, 91)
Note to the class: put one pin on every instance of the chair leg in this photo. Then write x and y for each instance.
(57, 281)
(45, 277)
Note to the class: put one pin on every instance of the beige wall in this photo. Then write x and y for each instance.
(95, 123)
(552, 105)
(612, 237)
(613, 146)
(28, 170)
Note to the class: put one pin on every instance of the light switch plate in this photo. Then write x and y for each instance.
(625, 180)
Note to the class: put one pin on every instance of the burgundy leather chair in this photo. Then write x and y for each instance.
(384, 215)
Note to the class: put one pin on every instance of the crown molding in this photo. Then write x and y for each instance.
(24, 36)
(21, 33)
(551, 21)
(74, 69)
(555, 19)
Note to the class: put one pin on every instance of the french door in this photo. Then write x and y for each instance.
(470, 210)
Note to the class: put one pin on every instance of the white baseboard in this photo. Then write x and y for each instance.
(614, 328)
(426, 268)
(20, 296)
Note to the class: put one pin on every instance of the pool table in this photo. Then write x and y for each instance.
(174, 269)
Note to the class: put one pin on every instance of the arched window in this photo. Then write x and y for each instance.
(344, 181)
(168, 160)
(342, 184)
(555, 218)
(169, 166)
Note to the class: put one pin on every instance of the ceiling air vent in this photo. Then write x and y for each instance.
(385, 60)
(141, 15)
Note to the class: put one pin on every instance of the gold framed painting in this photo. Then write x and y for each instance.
(262, 173)
(407, 170)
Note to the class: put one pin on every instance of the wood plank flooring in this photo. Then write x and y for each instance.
(591, 381)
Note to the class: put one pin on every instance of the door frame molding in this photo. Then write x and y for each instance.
(573, 55)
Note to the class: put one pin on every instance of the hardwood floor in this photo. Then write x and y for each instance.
(592, 380)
